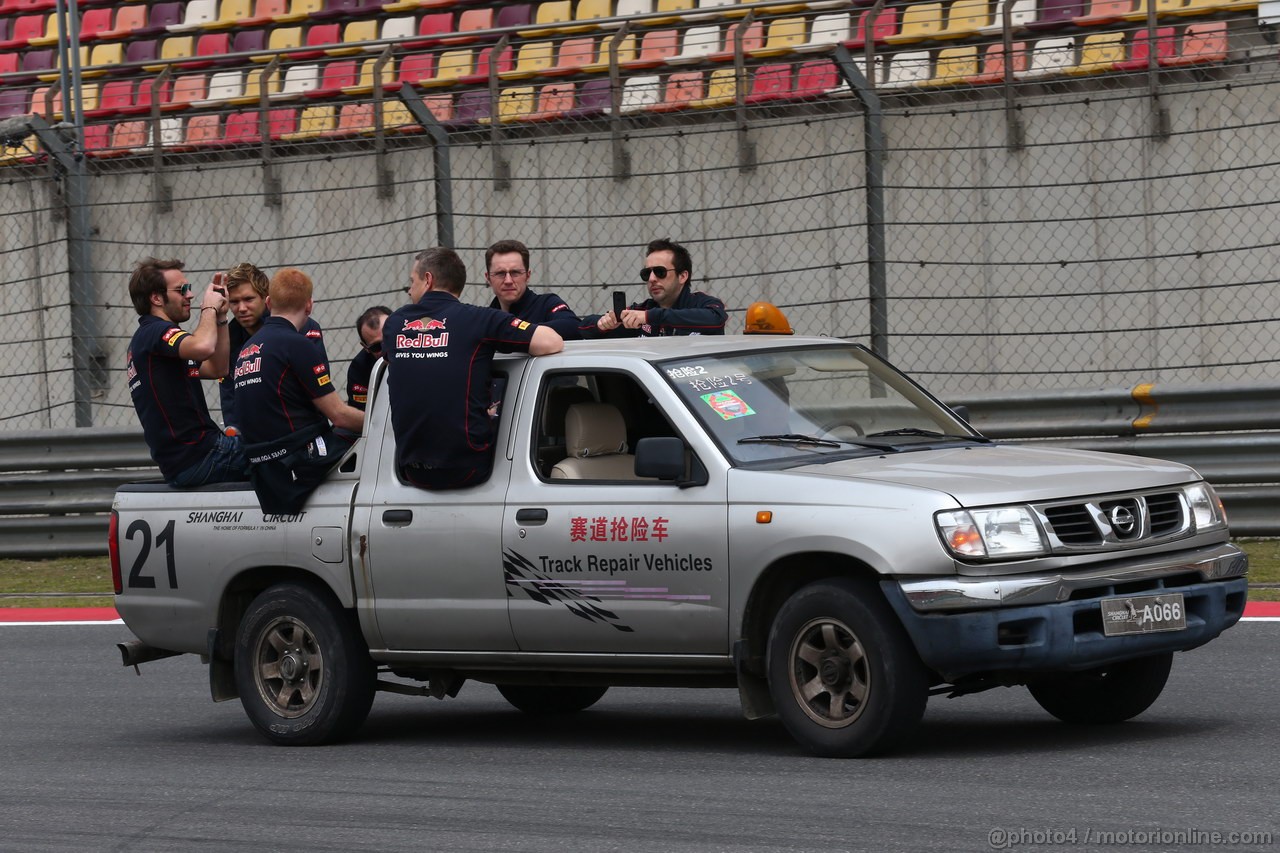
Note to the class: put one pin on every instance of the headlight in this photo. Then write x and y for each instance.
(1206, 507)
(1007, 531)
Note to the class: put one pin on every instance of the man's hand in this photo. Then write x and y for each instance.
(215, 296)
(607, 322)
(634, 318)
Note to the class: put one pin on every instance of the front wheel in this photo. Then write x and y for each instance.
(546, 699)
(843, 674)
(303, 672)
(1108, 694)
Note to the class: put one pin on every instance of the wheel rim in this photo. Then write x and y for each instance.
(830, 679)
(288, 667)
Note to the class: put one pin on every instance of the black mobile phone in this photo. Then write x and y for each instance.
(619, 303)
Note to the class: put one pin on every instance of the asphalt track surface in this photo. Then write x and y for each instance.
(93, 757)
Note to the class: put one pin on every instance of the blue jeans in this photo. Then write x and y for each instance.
(226, 463)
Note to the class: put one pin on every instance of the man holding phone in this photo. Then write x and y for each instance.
(164, 366)
(506, 265)
(673, 308)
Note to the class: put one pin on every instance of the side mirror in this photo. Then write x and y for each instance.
(961, 411)
(660, 457)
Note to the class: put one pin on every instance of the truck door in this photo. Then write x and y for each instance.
(596, 559)
(431, 569)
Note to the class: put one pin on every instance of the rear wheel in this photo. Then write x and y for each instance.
(1108, 694)
(302, 669)
(843, 675)
(547, 699)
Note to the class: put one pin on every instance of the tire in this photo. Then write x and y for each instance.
(844, 677)
(544, 699)
(1108, 694)
(302, 669)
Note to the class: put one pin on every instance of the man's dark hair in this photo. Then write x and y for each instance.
(148, 278)
(506, 247)
(445, 266)
(679, 253)
(368, 316)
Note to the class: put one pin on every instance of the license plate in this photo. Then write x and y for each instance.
(1143, 614)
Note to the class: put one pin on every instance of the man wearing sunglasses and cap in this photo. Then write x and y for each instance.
(164, 367)
(360, 371)
(673, 308)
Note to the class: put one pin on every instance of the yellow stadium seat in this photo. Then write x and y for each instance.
(920, 21)
(253, 86)
(451, 65)
(299, 10)
(722, 89)
(232, 13)
(314, 122)
(547, 18)
(965, 18)
(516, 103)
(1099, 54)
(532, 59)
(364, 83)
(356, 31)
(782, 36)
(955, 65)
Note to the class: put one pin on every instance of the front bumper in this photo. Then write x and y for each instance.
(1055, 623)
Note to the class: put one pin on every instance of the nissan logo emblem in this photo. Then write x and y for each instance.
(1122, 519)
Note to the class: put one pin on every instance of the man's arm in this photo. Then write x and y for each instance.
(545, 341)
(339, 413)
(209, 345)
(707, 317)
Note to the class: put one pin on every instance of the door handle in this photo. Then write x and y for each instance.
(531, 516)
(397, 517)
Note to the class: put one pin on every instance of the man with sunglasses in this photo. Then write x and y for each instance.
(506, 265)
(164, 366)
(360, 371)
(673, 308)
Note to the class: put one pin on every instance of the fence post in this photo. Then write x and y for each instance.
(412, 99)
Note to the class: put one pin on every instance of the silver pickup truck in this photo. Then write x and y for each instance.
(789, 516)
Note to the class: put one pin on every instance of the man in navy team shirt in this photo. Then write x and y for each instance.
(360, 371)
(507, 270)
(673, 307)
(439, 352)
(164, 367)
(287, 401)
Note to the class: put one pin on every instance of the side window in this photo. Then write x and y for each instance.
(589, 425)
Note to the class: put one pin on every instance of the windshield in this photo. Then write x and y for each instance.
(803, 405)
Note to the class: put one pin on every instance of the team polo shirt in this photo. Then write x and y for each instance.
(239, 337)
(439, 352)
(168, 397)
(694, 313)
(278, 374)
(359, 372)
(546, 309)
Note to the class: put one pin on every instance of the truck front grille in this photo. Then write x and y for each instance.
(1115, 521)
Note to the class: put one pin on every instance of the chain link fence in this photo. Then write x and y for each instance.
(1082, 207)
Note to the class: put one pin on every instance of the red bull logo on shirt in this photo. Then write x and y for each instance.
(423, 340)
(424, 324)
(250, 351)
(247, 366)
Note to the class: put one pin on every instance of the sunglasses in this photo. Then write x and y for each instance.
(660, 272)
(185, 290)
(374, 348)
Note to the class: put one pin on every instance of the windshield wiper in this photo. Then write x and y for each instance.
(928, 433)
(793, 439)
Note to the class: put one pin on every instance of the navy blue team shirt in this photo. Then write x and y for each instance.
(168, 397)
(277, 375)
(239, 337)
(694, 313)
(546, 309)
(439, 352)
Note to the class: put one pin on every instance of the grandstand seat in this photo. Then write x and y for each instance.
(1099, 54)
(172, 48)
(34, 61)
(555, 101)
(484, 62)
(585, 15)
(265, 12)
(698, 44)
(965, 18)
(655, 48)
(1140, 49)
(771, 83)
(548, 18)
(196, 14)
(232, 13)
(816, 78)
(40, 103)
(433, 26)
(1021, 13)
(713, 9)
(722, 89)
(203, 131)
(128, 20)
(186, 90)
(594, 97)
(451, 66)
(171, 131)
(224, 86)
(298, 81)
(1049, 58)
(398, 28)
(782, 36)
(365, 79)
(354, 120)
(532, 58)
(993, 63)
(50, 33)
(516, 103)
(1104, 12)
(160, 18)
(281, 121)
(14, 102)
(640, 93)
(881, 27)
(140, 51)
(95, 22)
(396, 6)
(1210, 7)
(210, 47)
(8, 63)
(515, 15)
(470, 21)
(330, 9)
(107, 57)
(906, 69)
(1202, 43)
(336, 76)
(280, 41)
(249, 41)
(955, 65)
(1055, 14)
(827, 31)
(299, 10)
(396, 118)
(318, 38)
(670, 6)
(254, 81)
(471, 108)
(354, 32)
(752, 39)
(127, 137)
(920, 22)
(115, 97)
(416, 68)
(23, 30)
(574, 55)
(682, 89)
(96, 138)
(626, 48)
(313, 122)
(242, 128)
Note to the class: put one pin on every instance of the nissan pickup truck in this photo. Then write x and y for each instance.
(792, 517)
